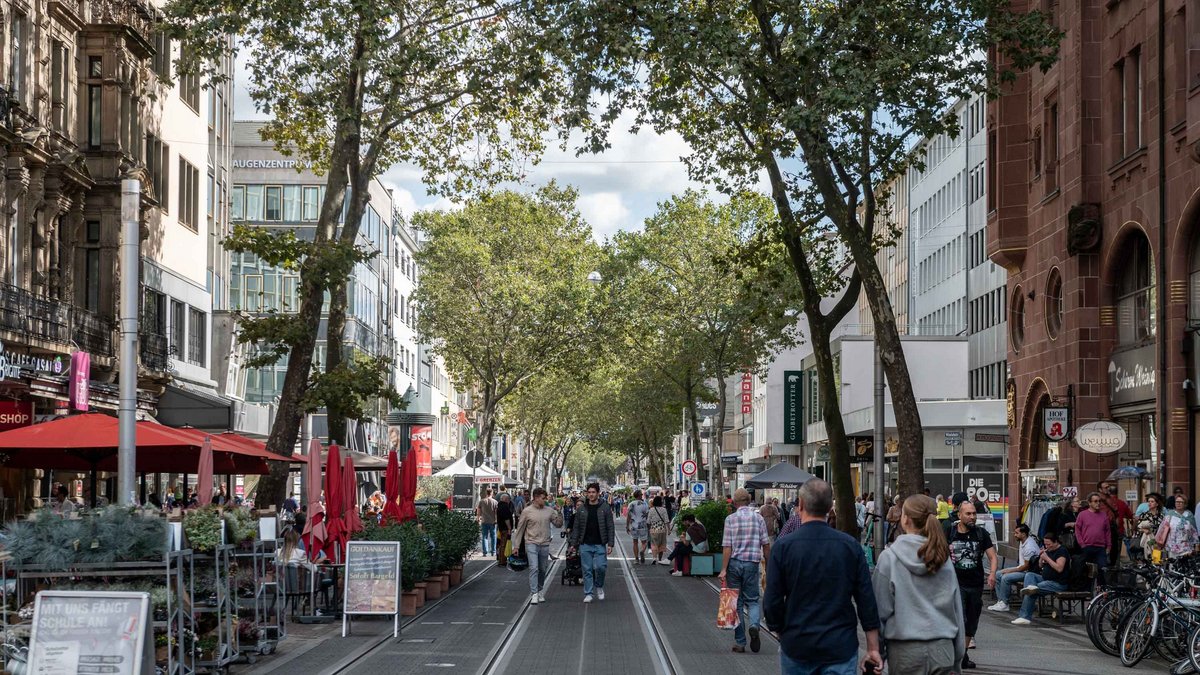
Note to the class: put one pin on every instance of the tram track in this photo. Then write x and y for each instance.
(668, 660)
(511, 635)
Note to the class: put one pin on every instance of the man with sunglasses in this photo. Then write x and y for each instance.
(1093, 533)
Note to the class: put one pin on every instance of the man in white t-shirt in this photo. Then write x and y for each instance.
(637, 527)
(1029, 551)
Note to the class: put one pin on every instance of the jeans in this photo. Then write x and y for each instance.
(594, 559)
(1004, 581)
(539, 564)
(972, 599)
(743, 575)
(1097, 555)
(787, 666)
(488, 531)
(1035, 581)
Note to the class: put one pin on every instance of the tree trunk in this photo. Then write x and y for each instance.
(835, 429)
(719, 431)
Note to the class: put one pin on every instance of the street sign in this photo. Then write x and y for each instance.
(1070, 491)
(698, 490)
(474, 459)
(953, 438)
(1056, 423)
(689, 467)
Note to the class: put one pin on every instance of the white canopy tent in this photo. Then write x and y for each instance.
(460, 468)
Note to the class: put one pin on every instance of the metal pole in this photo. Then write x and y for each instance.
(879, 422)
(305, 440)
(131, 192)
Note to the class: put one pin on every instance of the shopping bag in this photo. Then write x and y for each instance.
(727, 611)
(507, 548)
(762, 579)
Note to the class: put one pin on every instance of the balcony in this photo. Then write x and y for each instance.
(47, 320)
(154, 350)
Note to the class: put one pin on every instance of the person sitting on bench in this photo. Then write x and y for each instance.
(1053, 579)
(693, 540)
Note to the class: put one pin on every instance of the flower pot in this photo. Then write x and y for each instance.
(419, 591)
(408, 603)
(434, 589)
(455, 575)
(445, 582)
(161, 653)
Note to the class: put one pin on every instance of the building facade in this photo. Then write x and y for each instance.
(1094, 209)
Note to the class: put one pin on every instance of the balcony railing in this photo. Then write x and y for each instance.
(154, 350)
(39, 318)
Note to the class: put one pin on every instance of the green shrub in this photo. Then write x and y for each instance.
(453, 533)
(242, 525)
(712, 516)
(202, 528)
(414, 549)
(103, 536)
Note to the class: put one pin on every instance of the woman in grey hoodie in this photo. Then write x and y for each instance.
(917, 594)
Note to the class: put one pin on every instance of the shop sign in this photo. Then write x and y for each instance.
(1056, 423)
(793, 395)
(12, 363)
(991, 438)
(731, 459)
(747, 392)
(1131, 376)
(1070, 491)
(15, 414)
(81, 373)
(862, 450)
(1100, 437)
(372, 581)
(1010, 395)
(987, 489)
(91, 632)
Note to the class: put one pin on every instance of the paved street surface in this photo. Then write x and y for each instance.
(649, 623)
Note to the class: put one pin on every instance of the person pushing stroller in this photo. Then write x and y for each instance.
(592, 536)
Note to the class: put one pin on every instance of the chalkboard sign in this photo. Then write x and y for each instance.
(91, 632)
(372, 580)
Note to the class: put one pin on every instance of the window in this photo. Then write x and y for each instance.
(157, 158)
(91, 298)
(189, 85)
(274, 203)
(1135, 294)
(1050, 145)
(254, 202)
(993, 181)
(291, 293)
(237, 203)
(60, 85)
(1054, 303)
(312, 204)
(95, 101)
(1128, 136)
(189, 194)
(17, 40)
(1016, 320)
(291, 203)
(1179, 40)
(178, 327)
(252, 302)
(196, 337)
(210, 196)
(154, 312)
(161, 62)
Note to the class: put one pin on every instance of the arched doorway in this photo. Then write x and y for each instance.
(1039, 456)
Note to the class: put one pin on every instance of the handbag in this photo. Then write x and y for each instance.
(517, 561)
(727, 612)
(660, 525)
(508, 549)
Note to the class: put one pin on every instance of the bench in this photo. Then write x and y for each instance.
(1070, 601)
(702, 565)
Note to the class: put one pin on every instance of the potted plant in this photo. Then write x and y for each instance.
(162, 647)
(712, 516)
(203, 528)
(206, 647)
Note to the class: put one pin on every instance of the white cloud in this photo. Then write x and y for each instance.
(606, 213)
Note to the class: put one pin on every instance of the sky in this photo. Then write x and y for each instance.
(618, 189)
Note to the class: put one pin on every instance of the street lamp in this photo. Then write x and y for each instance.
(594, 277)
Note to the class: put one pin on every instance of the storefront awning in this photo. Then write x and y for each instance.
(179, 406)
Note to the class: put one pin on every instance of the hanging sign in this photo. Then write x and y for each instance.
(15, 414)
(1056, 423)
(793, 397)
(91, 632)
(81, 373)
(1101, 437)
(372, 581)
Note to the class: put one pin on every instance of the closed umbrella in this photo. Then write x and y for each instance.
(314, 528)
(204, 473)
(350, 498)
(391, 509)
(408, 487)
(335, 525)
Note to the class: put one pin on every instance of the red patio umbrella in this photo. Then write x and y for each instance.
(204, 473)
(335, 525)
(391, 489)
(408, 487)
(350, 498)
(314, 528)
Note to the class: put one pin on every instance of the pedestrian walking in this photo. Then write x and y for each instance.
(918, 598)
(504, 527)
(1177, 532)
(969, 545)
(593, 536)
(770, 515)
(485, 514)
(746, 546)
(659, 523)
(818, 584)
(533, 533)
(637, 527)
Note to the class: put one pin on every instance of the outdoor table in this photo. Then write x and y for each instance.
(315, 580)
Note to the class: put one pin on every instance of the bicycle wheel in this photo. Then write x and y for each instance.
(1137, 632)
(1193, 649)
(1171, 640)
(1104, 619)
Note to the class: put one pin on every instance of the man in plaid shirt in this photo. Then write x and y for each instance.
(746, 546)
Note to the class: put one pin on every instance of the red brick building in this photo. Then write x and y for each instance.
(1093, 178)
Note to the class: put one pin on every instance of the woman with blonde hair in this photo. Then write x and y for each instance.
(917, 595)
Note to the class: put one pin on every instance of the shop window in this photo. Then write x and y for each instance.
(1136, 294)
(1194, 284)
(1016, 320)
(1054, 303)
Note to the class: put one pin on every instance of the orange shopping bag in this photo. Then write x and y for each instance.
(727, 612)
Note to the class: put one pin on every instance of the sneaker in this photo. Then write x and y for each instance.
(676, 573)
(541, 596)
(1020, 621)
(533, 599)
(587, 598)
(599, 593)
(755, 642)
(1001, 606)
(1029, 590)
(968, 664)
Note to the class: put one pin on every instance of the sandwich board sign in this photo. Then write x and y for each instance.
(372, 581)
(91, 632)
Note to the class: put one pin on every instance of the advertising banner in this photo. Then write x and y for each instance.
(372, 581)
(793, 397)
(91, 632)
(81, 373)
(421, 439)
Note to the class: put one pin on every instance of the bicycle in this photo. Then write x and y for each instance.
(1163, 621)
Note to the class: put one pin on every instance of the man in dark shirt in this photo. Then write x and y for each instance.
(593, 535)
(1053, 579)
(813, 577)
(968, 546)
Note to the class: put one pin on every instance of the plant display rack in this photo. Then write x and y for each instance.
(266, 605)
(175, 570)
(224, 605)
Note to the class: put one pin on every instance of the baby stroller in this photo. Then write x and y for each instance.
(572, 569)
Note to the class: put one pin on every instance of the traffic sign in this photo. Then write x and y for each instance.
(698, 490)
(474, 459)
(689, 467)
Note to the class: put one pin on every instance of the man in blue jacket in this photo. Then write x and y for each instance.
(817, 584)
